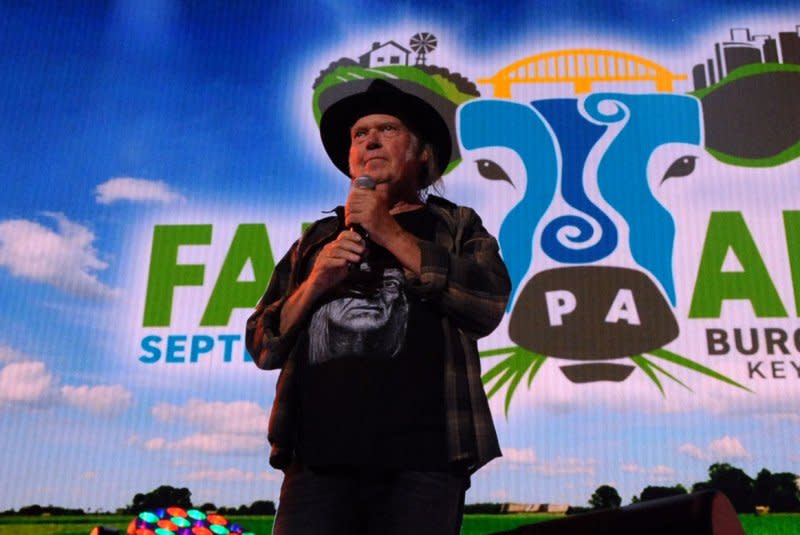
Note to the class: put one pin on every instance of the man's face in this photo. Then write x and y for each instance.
(382, 147)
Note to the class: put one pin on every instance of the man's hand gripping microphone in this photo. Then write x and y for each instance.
(361, 182)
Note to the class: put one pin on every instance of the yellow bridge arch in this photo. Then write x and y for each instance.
(581, 67)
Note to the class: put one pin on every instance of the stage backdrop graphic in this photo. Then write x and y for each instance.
(638, 165)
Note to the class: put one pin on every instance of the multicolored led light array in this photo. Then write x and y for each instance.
(176, 520)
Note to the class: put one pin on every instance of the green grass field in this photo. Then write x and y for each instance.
(775, 524)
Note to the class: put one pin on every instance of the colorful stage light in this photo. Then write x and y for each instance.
(178, 521)
(195, 514)
(181, 522)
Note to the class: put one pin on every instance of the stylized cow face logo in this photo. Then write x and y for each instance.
(590, 159)
(583, 207)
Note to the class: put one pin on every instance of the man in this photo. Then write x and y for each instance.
(381, 441)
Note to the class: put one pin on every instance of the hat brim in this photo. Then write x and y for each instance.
(429, 115)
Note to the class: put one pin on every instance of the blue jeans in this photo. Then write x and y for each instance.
(370, 501)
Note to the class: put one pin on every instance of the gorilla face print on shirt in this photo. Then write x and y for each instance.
(367, 318)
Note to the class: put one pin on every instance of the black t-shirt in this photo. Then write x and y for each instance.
(372, 384)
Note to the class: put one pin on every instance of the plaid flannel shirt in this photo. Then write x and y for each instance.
(462, 273)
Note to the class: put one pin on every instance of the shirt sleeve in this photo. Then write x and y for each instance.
(268, 347)
(470, 281)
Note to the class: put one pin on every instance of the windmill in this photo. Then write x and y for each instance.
(422, 43)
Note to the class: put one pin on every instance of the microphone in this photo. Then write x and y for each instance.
(362, 182)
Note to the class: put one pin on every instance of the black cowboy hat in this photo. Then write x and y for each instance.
(429, 115)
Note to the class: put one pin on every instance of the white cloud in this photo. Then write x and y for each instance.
(221, 443)
(659, 471)
(97, 399)
(728, 448)
(519, 455)
(566, 466)
(525, 459)
(26, 383)
(632, 468)
(725, 448)
(213, 443)
(499, 494)
(513, 459)
(63, 258)
(9, 354)
(215, 416)
(135, 190)
(231, 474)
(155, 444)
(29, 382)
(662, 472)
(693, 451)
(190, 463)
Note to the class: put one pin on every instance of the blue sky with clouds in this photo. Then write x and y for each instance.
(120, 115)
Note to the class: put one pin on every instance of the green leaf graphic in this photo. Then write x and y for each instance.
(511, 370)
(665, 372)
(695, 366)
(644, 365)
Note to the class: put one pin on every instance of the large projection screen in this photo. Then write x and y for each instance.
(639, 163)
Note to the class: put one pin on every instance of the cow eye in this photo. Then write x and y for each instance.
(491, 171)
(683, 166)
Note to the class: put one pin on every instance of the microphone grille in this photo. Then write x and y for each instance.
(364, 182)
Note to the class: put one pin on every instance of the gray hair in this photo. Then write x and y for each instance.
(429, 174)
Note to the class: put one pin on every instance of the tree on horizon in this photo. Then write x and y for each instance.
(163, 496)
(605, 497)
